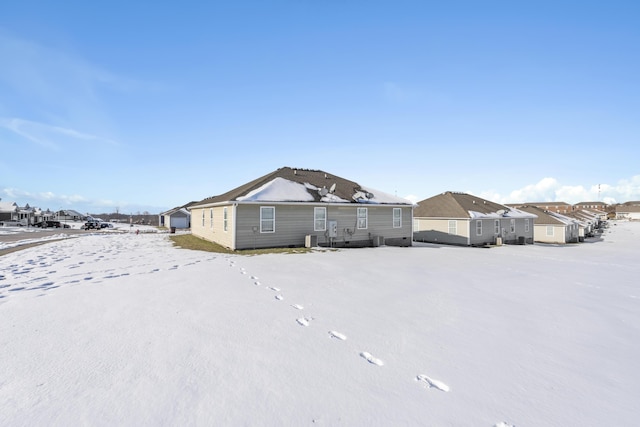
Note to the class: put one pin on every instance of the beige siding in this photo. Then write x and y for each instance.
(217, 233)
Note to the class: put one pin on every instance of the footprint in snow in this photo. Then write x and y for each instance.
(373, 360)
(279, 297)
(257, 283)
(274, 289)
(433, 383)
(338, 335)
(303, 321)
(254, 277)
(297, 307)
(503, 424)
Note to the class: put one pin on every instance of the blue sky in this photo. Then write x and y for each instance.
(143, 106)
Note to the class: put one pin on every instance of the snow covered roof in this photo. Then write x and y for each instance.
(462, 205)
(304, 185)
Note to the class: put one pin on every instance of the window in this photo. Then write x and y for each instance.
(362, 218)
(496, 227)
(319, 219)
(203, 217)
(479, 228)
(211, 217)
(549, 230)
(267, 219)
(526, 225)
(513, 226)
(453, 226)
(397, 217)
(224, 219)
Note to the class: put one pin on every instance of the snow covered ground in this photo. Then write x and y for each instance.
(124, 329)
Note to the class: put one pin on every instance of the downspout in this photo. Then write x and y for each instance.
(234, 215)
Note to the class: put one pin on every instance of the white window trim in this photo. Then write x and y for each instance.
(496, 227)
(512, 226)
(202, 217)
(273, 208)
(211, 218)
(454, 223)
(359, 218)
(550, 230)
(397, 217)
(225, 219)
(316, 219)
(526, 225)
(479, 227)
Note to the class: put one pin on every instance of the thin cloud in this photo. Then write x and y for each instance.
(47, 136)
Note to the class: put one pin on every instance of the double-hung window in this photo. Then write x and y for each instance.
(267, 219)
(526, 225)
(397, 217)
(496, 227)
(203, 217)
(513, 225)
(319, 219)
(453, 226)
(549, 230)
(362, 218)
(225, 219)
(479, 227)
(211, 218)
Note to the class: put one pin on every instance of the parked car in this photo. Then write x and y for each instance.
(91, 225)
(51, 224)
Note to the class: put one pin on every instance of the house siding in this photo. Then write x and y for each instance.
(217, 233)
(436, 230)
(294, 222)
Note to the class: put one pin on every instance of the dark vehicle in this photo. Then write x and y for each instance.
(91, 225)
(51, 224)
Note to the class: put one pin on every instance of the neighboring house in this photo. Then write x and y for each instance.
(69, 215)
(630, 212)
(8, 211)
(552, 227)
(599, 206)
(588, 222)
(300, 207)
(178, 217)
(558, 207)
(464, 219)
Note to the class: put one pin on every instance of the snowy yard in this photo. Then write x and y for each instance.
(124, 329)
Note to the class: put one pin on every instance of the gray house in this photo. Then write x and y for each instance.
(463, 219)
(293, 207)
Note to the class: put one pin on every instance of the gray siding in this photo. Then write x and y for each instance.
(294, 222)
(436, 231)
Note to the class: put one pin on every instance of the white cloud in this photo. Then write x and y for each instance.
(550, 190)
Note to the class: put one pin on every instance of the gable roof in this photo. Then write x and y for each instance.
(462, 205)
(303, 185)
(8, 206)
(545, 217)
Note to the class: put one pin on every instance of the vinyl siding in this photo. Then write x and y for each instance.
(217, 233)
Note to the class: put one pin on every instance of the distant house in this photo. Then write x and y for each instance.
(69, 215)
(600, 206)
(464, 219)
(8, 211)
(552, 227)
(178, 217)
(630, 212)
(558, 207)
(292, 207)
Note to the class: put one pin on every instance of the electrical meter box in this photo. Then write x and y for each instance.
(333, 228)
